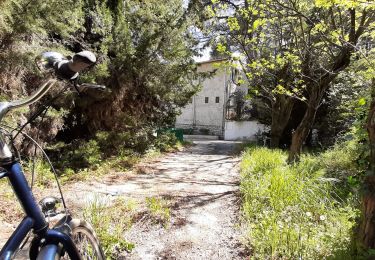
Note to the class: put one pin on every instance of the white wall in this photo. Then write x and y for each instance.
(242, 130)
(187, 115)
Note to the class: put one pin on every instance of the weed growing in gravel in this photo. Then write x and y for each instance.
(294, 212)
(110, 220)
(43, 174)
(159, 210)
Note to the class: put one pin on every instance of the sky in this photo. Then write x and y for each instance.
(206, 52)
(205, 55)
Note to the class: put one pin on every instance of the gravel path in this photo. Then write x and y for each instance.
(201, 185)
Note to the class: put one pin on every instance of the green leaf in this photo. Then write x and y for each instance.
(362, 102)
(233, 24)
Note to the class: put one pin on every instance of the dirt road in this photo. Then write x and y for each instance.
(201, 185)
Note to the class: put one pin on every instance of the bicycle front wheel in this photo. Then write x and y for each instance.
(85, 240)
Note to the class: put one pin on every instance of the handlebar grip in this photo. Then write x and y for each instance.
(67, 69)
(70, 69)
(82, 60)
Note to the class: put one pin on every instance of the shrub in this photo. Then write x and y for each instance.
(293, 212)
(345, 162)
(76, 155)
(87, 154)
(165, 141)
(111, 142)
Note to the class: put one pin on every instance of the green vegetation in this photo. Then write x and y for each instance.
(145, 58)
(167, 142)
(307, 210)
(159, 210)
(309, 65)
(43, 176)
(93, 159)
(108, 152)
(291, 52)
(110, 220)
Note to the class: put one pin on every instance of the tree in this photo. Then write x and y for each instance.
(145, 57)
(27, 28)
(365, 68)
(149, 53)
(294, 50)
(258, 31)
(331, 42)
(367, 230)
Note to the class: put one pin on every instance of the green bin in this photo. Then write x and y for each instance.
(179, 134)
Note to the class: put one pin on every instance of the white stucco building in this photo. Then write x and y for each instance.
(209, 109)
(206, 111)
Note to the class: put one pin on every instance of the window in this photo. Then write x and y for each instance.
(217, 100)
(206, 100)
(235, 75)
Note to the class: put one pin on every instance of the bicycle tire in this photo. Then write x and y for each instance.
(85, 240)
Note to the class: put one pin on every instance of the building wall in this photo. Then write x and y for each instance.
(187, 116)
(207, 117)
(242, 130)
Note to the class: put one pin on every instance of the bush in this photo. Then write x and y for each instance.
(83, 159)
(85, 155)
(345, 163)
(294, 212)
(165, 141)
(77, 155)
(113, 142)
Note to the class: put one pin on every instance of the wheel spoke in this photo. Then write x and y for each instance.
(86, 244)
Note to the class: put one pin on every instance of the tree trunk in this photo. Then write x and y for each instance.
(281, 111)
(367, 229)
(300, 134)
(316, 93)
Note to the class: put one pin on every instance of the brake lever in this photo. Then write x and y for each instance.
(75, 84)
(92, 86)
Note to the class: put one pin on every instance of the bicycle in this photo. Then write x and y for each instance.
(69, 237)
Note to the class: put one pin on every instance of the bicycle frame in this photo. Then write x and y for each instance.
(34, 220)
(47, 242)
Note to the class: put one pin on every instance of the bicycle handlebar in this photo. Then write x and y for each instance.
(35, 96)
(64, 69)
(5, 107)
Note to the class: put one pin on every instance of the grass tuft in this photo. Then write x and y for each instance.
(293, 211)
(159, 210)
(110, 220)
